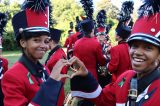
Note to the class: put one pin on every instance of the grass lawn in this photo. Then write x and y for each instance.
(13, 56)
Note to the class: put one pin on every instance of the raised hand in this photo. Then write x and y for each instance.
(79, 68)
(56, 71)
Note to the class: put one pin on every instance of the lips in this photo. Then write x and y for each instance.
(137, 61)
(42, 51)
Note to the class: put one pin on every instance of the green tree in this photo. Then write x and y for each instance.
(111, 12)
(8, 36)
(65, 11)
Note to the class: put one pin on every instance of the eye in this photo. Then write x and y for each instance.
(134, 46)
(37, 40)
(148, 48)
(46, 41)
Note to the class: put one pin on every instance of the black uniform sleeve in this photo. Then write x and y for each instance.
(48, 93)
(85, 87)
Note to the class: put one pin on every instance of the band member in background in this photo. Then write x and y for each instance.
(3, 69)
(104, 77)
(119, 55)
(56, 54)
(3, 61)
(66, 44)
(137, 87)
(102, 31)
(88, 49)
(28, 82)
(102, 35)
(72, 41)
(68, 40)
(108, 40)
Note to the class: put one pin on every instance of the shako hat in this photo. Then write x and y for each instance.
(3, 22)
(55, 34)
(87, 25)
(34, 18)
(147, 26)
(122, 29)
(101, 23)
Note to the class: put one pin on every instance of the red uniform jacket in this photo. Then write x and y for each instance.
(73, 39)
(89, 51)
(4, 64)
(3, 69)
(66, 44)
(116, 94)
(55, 55)
(120, 60)
(21, 88)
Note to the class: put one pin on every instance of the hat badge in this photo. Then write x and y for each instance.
(153, 30)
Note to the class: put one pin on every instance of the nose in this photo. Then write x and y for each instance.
(138, 51)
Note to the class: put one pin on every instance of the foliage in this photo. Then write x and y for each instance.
(112, 12)
(8, 36)
(63, 13)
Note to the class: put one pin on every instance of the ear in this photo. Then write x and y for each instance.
(23, 43)
(158, 59)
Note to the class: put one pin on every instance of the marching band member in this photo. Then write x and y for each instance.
(103, 76)
(137, 87)
(56, 54)
(72, 41)
(119, 55)
(28, 82)
(3, 61)
(67, 43)
(88, 49)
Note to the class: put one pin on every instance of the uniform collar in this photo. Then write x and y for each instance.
(147, 80)
(122, 41)
(35, 69)
(52, 51)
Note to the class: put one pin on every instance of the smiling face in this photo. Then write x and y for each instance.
(35, 47)
(144, 57)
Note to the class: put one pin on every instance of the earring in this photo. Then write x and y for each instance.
(156, 63)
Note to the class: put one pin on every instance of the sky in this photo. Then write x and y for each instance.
(117, 3)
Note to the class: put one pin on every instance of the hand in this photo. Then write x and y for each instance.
(56, 71)
(80, 69)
